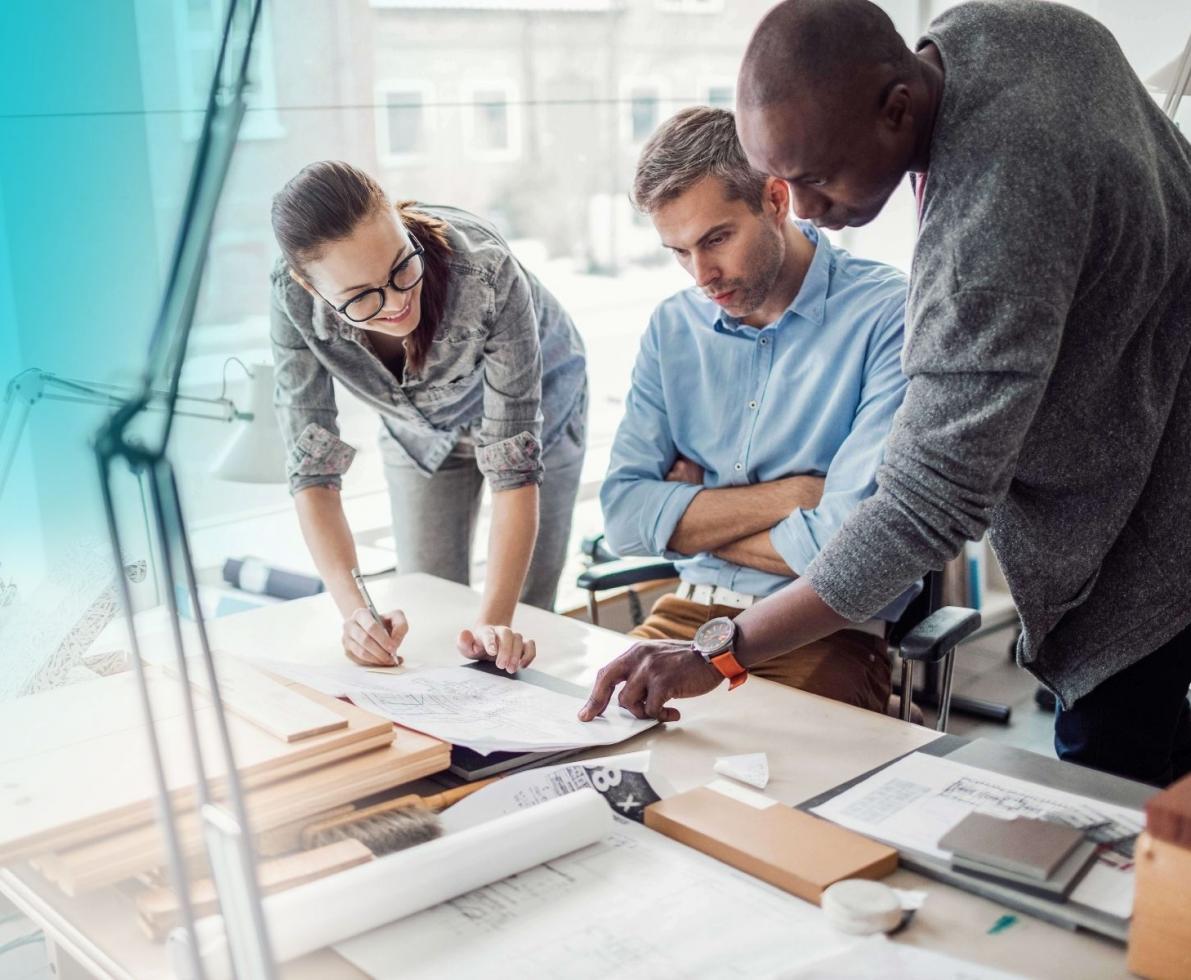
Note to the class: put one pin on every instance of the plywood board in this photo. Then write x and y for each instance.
(75, 761)
(260, 698)
(158, 907)
(114, 858)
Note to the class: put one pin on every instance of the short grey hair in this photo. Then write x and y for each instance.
(693, 144)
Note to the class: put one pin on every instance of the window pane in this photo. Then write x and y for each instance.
(405, 122)
(492, 120)
(644, 113)
(721, 96)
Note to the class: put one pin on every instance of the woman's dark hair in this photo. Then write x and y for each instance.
(325, 203)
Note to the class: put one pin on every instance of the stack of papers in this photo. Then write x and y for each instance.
(914, 802)
(467, 707)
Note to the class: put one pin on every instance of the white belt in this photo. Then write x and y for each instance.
(716, 595)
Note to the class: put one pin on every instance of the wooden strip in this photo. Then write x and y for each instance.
(259, 699)
(89, 866)
(105, 830)
(76, 767)
(288, 837)
(158, 907)
(107, 827)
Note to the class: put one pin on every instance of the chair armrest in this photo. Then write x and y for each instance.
(937, 635)
(625, 571)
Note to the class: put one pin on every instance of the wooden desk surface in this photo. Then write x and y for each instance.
(812, 743)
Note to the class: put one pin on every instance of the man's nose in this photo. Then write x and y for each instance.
(808, 203)
(704, 270)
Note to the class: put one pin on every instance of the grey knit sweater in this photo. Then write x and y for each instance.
(1050, 326)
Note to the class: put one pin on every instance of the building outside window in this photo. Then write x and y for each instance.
(402, 133)
(644, 110)
(493, 128)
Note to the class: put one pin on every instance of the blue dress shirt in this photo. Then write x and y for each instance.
(812, 393)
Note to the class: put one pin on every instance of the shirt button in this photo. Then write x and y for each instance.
(764, 341)
(739, 466)
(752, 404)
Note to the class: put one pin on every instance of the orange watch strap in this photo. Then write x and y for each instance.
(727, 664)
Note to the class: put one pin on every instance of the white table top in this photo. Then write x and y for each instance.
(812, 743)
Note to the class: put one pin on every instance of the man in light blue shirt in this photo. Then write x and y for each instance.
(759, 406)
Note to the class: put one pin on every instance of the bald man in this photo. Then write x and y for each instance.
(1049, 324)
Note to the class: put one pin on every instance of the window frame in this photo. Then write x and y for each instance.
(690, 6)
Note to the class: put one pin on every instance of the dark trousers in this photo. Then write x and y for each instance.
(1137, 723)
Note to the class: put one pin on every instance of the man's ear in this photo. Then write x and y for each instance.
(776, 198)
(296, 277)
(896, 109)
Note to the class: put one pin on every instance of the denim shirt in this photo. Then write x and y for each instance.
(506, 370)
(814, 392)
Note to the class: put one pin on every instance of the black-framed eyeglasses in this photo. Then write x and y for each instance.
(405, 275)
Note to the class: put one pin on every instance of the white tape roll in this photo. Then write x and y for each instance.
(322, 913)
(861, 907)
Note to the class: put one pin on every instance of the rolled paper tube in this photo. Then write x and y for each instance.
(358, 900)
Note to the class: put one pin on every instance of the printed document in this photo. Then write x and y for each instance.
(916, 800)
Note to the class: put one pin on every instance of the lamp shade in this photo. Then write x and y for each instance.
(255, 452)
(1165, 79)
(1173, 81)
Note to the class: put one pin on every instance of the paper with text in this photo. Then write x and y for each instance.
(916, 800)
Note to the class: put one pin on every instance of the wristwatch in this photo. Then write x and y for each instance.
(713, 642)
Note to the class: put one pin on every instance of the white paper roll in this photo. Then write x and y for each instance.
(321, 913)
(861, 907)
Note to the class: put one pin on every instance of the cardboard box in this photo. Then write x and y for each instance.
(791, 850)
(1160, 933)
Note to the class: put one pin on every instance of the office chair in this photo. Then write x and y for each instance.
(927, 632)
(609, 571)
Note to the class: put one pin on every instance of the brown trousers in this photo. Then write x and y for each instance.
(848, 666)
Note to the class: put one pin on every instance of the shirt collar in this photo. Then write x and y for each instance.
(328, 325)
(810, 301)
(324, 320)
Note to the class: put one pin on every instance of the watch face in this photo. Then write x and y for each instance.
(714, 636)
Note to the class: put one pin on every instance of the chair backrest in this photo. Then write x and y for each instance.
(921, 606)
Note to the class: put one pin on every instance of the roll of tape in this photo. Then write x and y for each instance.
(861, 907)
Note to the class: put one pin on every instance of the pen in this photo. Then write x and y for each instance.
(359, 580)
(363, 589)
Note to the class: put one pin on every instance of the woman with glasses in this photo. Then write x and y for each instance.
(477, 374)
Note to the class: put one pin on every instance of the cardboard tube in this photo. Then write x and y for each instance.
(358, 900)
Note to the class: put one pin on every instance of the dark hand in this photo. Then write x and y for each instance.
(684, 471)
(653, 672)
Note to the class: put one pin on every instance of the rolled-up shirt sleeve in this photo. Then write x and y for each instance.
(641, 508)
(304, 400)
(508, 443)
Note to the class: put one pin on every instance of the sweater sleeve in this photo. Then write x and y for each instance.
(995, 270)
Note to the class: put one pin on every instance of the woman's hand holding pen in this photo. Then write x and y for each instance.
(507, 648)
(372, 641)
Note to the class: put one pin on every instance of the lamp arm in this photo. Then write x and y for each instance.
(1182, 81)
(32, 385)
(35, 384)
